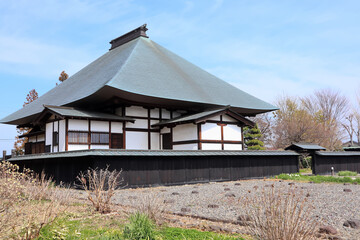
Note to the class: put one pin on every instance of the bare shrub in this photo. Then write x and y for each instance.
(153, 206)
(23, 211)
(279, 213)
(100, 186)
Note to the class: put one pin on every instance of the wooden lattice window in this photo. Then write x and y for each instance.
(78, 137)
(99, 138)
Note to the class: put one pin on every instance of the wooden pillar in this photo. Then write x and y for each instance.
(66, 134)
(199, 136)
(149, 126)
(4, 155)
(222, 132)
(89, 134)
(109, 134)
(124, 126)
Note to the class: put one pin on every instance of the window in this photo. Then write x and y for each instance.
(55, 138)
(78, 137)
(99, 138)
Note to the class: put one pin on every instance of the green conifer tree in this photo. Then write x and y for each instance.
(252, 138)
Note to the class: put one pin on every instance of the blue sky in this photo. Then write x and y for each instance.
(265, 48)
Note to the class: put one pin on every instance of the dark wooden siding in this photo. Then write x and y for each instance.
(341, 162)
(169, 170)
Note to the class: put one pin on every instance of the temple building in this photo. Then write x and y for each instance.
(142, 96)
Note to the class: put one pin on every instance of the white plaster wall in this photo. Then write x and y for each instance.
(210, 131)
(55, 148)
(62, 136)
(232, 147)
(32, 139)
(78, 125)
(73, 147)
(118, 111)
(165, 130)
(215, 118)
(136, 140)
(176, 114)
(48, 132)
(211, 146)
(153, 122)
(165, 114)
(155, 141)
(99, 147)
(136, 111)
(192, 146)
(232, 132)
(41, 138)
(55, 126)
(228, 118)
(139, 123)
(116, 127)
(154, 113)
(99, 126)
(185, 132)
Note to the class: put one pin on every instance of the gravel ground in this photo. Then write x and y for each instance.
(332, 204)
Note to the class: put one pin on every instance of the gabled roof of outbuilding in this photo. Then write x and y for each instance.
(305, 146)
(144, 71)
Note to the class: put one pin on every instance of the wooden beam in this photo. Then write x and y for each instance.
(149, 128)
(109, 134)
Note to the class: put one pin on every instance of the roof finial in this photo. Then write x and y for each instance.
(127, 37)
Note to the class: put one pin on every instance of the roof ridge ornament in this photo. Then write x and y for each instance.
(127, 37)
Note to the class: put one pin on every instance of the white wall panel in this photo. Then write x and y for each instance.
(155, 141)
(41, 138)
(185, 132)
(78, 125)
(32, 139)
(211, 146)
(154, 113)
(116, 127)
(215, 118)
(232, 147)
(118, 111)
(55, 126)
(165, 130)
(192, 146)
(228, 118)
(232, 132)
(165, 114)
(48, 132)
(139, 123)
(99, 147)
(176, 114)
(99, 126)
(136, 140)
(210, 131)
(55, 148)
(73, 147)
(62, 137)
(136, 111)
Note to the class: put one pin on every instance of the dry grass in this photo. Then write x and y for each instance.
(281, 213)
(27, 202)
(152, 205)
(100, 186)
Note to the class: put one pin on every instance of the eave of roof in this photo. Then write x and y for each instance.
(143, 68)
(69, 112)
(159, 153)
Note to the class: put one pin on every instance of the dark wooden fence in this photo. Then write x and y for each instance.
(151, 168)
(340, 161)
